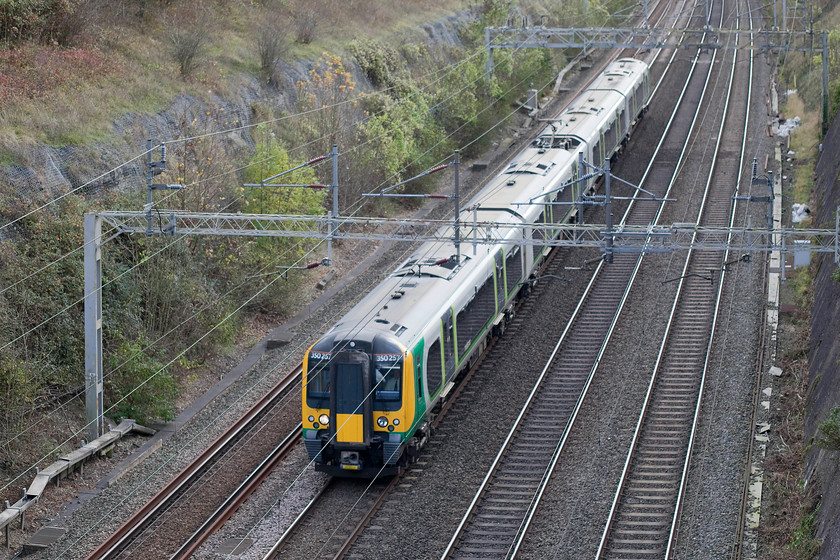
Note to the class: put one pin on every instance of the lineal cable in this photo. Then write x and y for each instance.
(50, 265)
(354, 124)
(71, 191)
(356, 328)
(151, 344)
(173, 360)
(173, 242)
(146, 152)
(356, 147)
(453, 67)
(121, 275)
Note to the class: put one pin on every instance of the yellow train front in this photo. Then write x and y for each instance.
(359, 406)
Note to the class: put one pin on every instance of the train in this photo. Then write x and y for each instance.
(372, 383)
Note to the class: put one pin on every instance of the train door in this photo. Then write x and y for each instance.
(623, 123)
(513, 269)
(448, 335)
(434, 368)
(350, 399)
(500, 281)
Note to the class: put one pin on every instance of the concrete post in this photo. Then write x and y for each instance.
(93, 325)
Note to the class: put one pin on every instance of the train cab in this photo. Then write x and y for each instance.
(358, 412)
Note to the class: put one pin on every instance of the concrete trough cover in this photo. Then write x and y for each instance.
(234, 546)
(278, 340)
(45, 537)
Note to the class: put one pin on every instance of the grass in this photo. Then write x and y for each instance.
(128, 68)
(126, 65)
(804, 142)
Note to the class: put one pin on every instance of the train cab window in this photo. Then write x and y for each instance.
(318, 383)
(387, 380)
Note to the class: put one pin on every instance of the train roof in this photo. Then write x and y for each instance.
(587, 114)
(399, 307)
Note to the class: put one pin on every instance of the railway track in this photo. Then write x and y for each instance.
(507, 500)
(644, 517)
(605, 309)
(213, 485)
(342, 508)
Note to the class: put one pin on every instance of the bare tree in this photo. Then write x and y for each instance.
(188, 37)
(272, 44)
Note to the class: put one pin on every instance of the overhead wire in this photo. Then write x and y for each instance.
(158, 252)
(206, 334)
(174, 193)
(146, 152)
(357, 328)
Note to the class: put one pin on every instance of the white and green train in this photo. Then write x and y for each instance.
(372, 382)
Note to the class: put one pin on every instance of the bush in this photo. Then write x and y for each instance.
(272, 45)
(264, 258)
(137, 385)
(830, 431)
(305, 24)
(188, 43)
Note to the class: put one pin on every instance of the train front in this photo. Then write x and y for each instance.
(358, 405)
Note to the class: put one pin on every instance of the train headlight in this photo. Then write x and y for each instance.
(324, 419)
(382, 421)
(396, 421)
(311, 418)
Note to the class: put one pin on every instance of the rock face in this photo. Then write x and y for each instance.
(115, 163)
(823, 466)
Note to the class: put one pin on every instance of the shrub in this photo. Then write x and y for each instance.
(305, 24)
(264, 258)
(137, 385)
(188, 43)
(272, 45)
(830, 431)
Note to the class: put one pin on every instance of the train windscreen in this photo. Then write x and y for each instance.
(387, 381)
(318, 381)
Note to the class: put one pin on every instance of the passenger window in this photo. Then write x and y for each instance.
(514, 269)
(434, 367)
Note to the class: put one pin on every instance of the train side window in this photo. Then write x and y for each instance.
(513, 266)
(434, 367)
(475, 316)
(500, 280)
